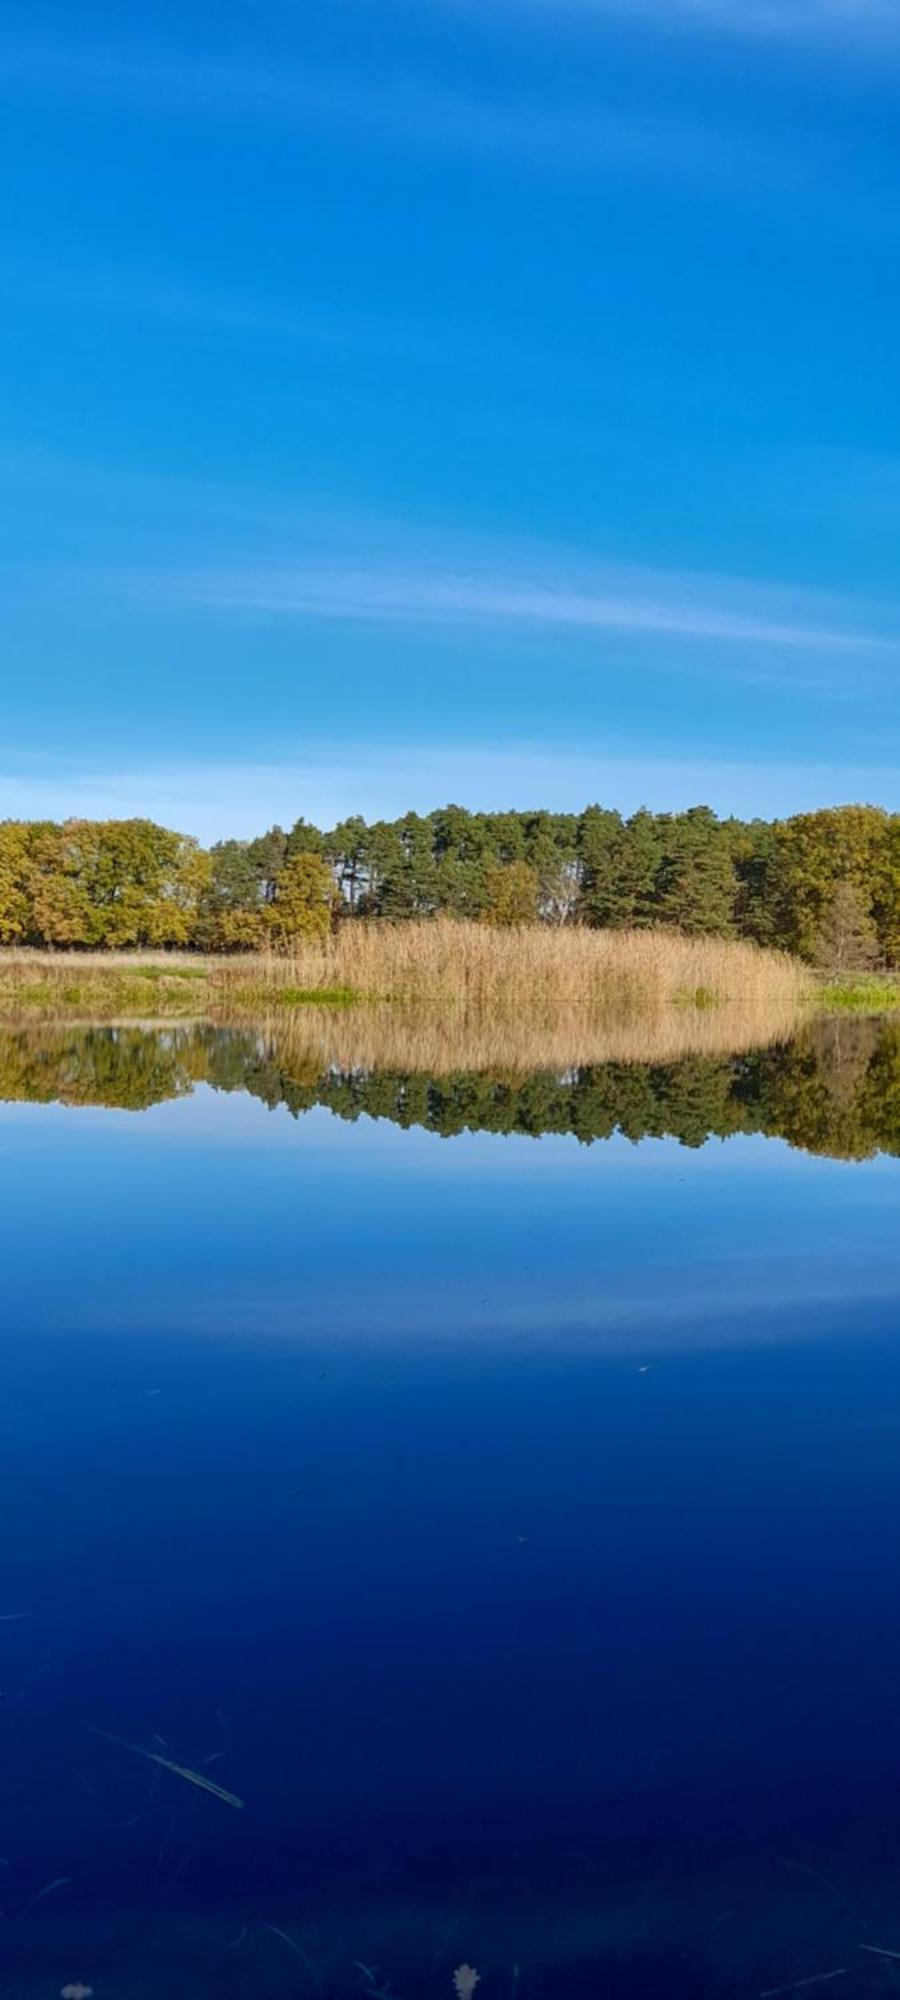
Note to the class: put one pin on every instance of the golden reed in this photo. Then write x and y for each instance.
(448, 995)
(463, 996)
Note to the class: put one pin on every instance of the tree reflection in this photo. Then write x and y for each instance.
(833, 1089)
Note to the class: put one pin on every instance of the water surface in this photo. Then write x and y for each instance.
(492, 1481)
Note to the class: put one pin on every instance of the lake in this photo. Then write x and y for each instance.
(492, 1482)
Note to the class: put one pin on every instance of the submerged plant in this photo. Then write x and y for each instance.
(376, 1989)
(167, 1764)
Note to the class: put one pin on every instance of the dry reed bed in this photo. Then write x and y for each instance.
(446, 995)
(461, 965)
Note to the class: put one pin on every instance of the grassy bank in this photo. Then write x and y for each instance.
(525, 995)
(100, 986)
(860, 993)
(441, 965)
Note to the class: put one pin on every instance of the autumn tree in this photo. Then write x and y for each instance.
(60, 912)
(512, 891)
(819, 850)
(15, 908)
(124, 883)
(888, 906)
(304, 901)
(239, 930)
(847, 940)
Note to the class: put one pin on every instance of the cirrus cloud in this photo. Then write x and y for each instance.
(639, 604)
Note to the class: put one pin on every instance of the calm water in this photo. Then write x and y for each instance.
(495, 1483)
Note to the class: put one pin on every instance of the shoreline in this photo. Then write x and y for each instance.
(442, 968)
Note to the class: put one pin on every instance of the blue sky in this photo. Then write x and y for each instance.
(413, 400)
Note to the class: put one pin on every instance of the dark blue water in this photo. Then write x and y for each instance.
(511, 1523)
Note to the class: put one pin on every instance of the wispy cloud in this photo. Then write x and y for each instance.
(635, 603)
(288, 559)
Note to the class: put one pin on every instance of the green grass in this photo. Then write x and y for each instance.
(103, 995)
(860, 993)
(302, 996)
(168, 972)
(161, 991)
(37, 993)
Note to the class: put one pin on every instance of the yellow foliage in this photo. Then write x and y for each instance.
(304, 901)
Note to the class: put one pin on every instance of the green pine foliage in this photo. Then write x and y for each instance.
(824, 885)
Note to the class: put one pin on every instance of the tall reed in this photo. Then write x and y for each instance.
(461, 994)
(453, 995)
(454, 965)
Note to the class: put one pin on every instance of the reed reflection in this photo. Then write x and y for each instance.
(833, 1088)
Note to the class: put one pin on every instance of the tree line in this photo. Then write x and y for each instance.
(825, 885)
